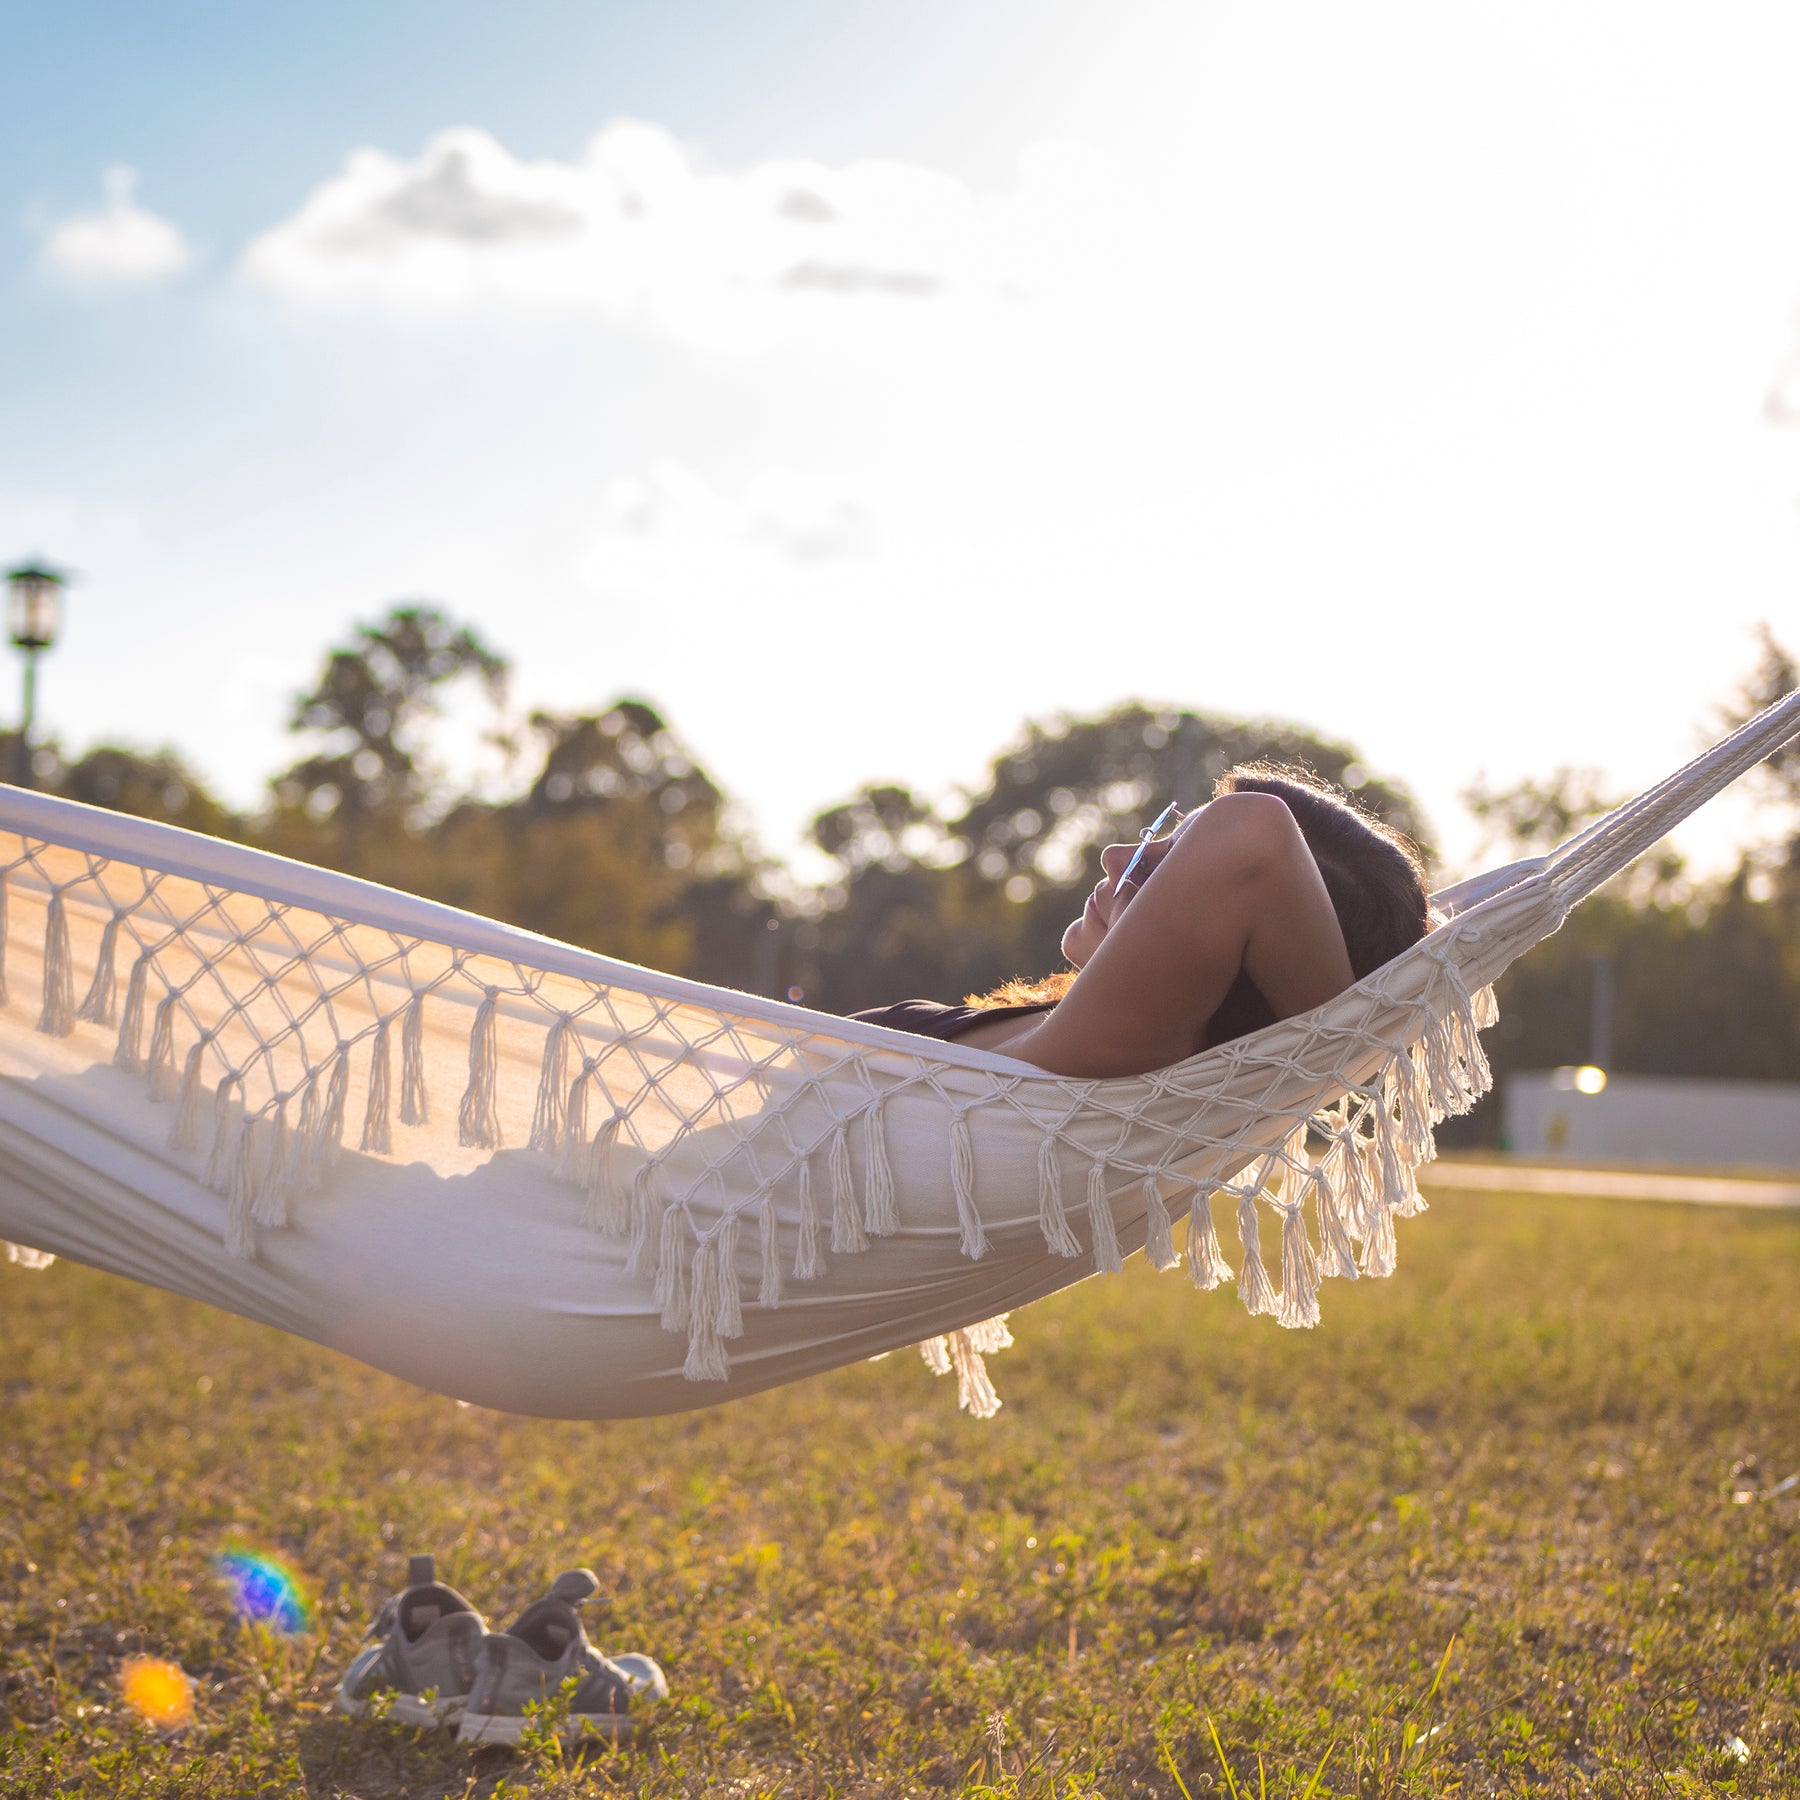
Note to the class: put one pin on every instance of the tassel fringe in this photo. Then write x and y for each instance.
(1100, 1223)
(415, 1106)
(769, 1229)
(269, 1207)
(549, 1117)
(1298, 1309)
(184, 1134)
(883, 1217)
(129, 1053)
(962, 1179)
(57, 1019)
(671, 1287)
(478, 1123)
(101, 1003)
(377, 1134)
(1052, 1220)
(162, 1050)
(638, 1247)
(1253, 1278)
(809, 1265)
(1159, 1237)
(1207, 1267)
(848, 1238)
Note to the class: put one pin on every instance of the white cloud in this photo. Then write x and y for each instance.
(121, 244)
(669, 512)
(641, 229)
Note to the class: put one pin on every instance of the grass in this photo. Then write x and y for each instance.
(1496, 1528)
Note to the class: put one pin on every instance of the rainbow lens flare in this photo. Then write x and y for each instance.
(159, 1692)
(265, 1591)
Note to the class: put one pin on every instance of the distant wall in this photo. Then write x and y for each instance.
(1652, 1118)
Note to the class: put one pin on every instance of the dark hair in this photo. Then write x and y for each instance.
(1373, 873)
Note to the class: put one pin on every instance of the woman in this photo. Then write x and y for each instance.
(1266, 903)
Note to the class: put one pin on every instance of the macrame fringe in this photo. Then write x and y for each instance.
(769, 1229)
(1159, 1228)
(1052, 1220)
(1253, 1278)
(608, 1207)
(269, 1205)
(848, 1238)
(478, 1122)
(549, 1118)
(100, 1004)
(809, 1265)
(882, 1215)
(962, 1179)
(1298, 1308)
(1337, 1255)
(415, 1104)
(1207, 1267)
(162, 1050)
(974, 1390)
(706, 1358)
(224, 1136)
(728, 1303)
(1379, 1250)
(305, 1172)
(184, 1134)
(327, 1143)
(637, 1251)
(1100, 1223)
(57, 1019)
(236, 1160)
(128, 1054)
(670, 1290)
(936, 1352)
(377, 1133)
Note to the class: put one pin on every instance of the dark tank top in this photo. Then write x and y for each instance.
(934, 1019)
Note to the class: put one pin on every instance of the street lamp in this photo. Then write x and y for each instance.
(34, 611)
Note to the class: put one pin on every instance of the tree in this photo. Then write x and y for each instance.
(1533, 817)
(370, 710)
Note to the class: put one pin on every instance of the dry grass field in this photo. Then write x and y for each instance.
(1502, 1525)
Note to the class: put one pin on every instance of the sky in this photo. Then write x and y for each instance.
(856, 382)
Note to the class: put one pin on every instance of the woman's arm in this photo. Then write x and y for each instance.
(1237, 888)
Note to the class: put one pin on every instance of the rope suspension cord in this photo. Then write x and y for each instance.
(553, 1182)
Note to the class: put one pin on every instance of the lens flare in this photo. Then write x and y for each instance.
(264, 1590)
(158, 1692)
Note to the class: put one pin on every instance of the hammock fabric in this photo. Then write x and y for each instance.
(548, 1182)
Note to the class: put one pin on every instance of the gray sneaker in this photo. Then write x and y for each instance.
(428, 1639)
(545, 1648)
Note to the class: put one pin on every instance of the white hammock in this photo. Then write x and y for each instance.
(548, 1182)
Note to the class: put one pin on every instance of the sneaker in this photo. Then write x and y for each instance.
(529, 1664)
(429, 1638)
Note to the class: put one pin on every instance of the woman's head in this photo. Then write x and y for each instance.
(1373, 873)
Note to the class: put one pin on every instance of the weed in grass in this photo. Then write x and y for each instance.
(1193, 1556)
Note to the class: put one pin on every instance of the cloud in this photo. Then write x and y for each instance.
(122, 244)
(672, 510)
(640, 229)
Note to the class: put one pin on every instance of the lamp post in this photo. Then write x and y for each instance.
(34, 612)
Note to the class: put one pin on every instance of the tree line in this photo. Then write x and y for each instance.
(605, 831)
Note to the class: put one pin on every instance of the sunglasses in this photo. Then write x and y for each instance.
(1146, 838)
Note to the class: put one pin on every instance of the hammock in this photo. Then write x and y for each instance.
(549, 1182)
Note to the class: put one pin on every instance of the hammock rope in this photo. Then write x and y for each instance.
(236, 1051)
